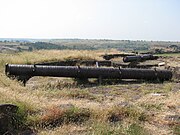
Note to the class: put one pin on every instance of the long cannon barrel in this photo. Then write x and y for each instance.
(87, 72)
(139, 58)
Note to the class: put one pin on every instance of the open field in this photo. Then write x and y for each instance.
(64, 106)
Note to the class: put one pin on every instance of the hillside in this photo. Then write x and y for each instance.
(51, 106)
(85, 44)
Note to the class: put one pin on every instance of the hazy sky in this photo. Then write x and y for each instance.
(97, 19)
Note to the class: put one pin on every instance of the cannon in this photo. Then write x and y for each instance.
(139, 58)
(78, 62)
(111, 56)
(24, 72)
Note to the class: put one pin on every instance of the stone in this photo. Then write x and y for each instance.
(6, 117)
(8, 108)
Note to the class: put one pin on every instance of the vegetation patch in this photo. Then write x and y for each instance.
(102, 128)
(81, 94)
(55, 116)
(120, 113)
(136, 129)
(151, 107)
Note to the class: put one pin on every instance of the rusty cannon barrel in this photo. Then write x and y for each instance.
(87, 72)
(139, 58)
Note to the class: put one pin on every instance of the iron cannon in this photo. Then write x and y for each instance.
(28, 71)
(139, 58)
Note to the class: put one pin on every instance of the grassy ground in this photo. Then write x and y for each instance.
(53, 106)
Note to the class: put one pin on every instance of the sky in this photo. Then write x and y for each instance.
(91, 19)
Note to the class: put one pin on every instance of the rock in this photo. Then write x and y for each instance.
(8, 108)
(3, 124)
(9, 123)
(7, 112)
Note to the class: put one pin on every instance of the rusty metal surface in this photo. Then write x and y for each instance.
(87, 72)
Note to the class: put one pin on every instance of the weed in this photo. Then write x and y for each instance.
(120, 113)
(20, 119)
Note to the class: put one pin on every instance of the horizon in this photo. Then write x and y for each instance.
(149, 20)
(9, 39)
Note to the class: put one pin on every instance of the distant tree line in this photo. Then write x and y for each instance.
(44, 45)
(80, 44)
(50, 46)
(86, 46)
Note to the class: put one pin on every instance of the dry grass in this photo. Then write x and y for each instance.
(44, 56)
(116, 108)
